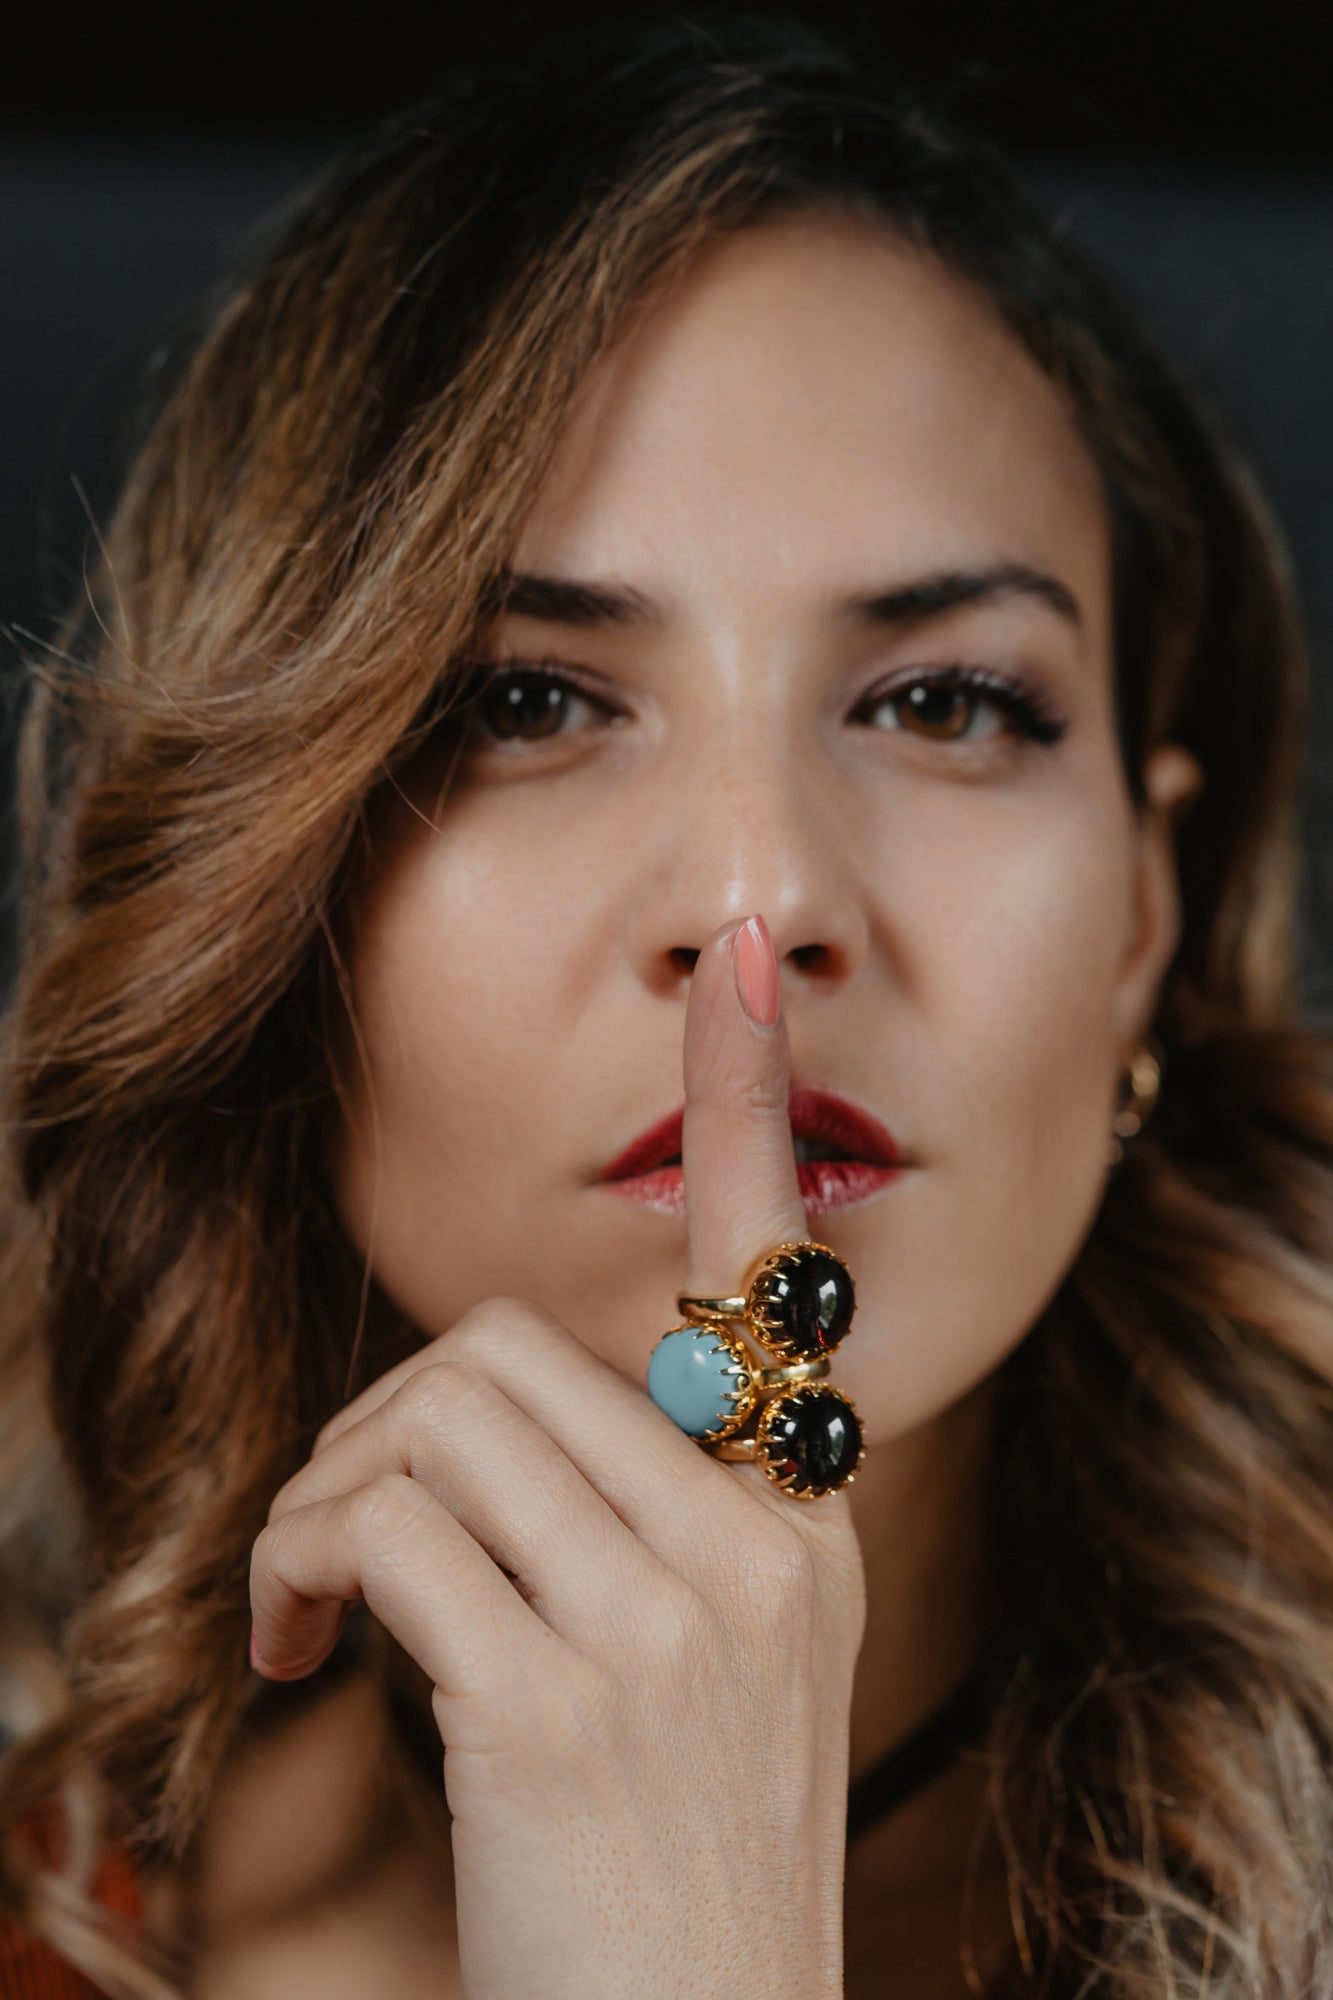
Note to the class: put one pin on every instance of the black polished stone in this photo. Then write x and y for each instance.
(805, 1304)
(812, 1440)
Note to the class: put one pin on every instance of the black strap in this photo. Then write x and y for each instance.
(909, 1764)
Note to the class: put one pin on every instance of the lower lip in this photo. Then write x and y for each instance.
(825, 1185)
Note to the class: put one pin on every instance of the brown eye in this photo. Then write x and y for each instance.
(518, 705)
(940, 708)
(939, 711)
(523, 705)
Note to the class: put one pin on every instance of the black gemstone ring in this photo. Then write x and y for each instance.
(809, 1441)
(798, 1305)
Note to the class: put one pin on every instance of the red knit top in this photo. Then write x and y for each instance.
(30, 1969)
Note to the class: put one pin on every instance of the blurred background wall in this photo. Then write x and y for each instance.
(1192, 154)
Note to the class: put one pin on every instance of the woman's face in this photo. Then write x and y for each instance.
(970, 922)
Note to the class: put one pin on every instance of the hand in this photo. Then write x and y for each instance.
(641, 1656)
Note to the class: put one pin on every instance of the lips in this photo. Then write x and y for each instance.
(869, 1156)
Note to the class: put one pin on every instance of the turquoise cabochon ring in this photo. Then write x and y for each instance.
(705, 1380)
(797, 1306)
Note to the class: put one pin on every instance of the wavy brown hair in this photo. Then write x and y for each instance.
(309, 544)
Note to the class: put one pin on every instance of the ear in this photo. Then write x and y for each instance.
(1172, 776)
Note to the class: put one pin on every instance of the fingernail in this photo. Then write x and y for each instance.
(756, 966)
(256, 1658)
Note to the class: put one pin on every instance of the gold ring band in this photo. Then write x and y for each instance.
(736, 1448)
(795, 1371)
(693, 1308)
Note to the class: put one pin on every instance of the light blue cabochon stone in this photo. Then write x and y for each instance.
(689, 1382)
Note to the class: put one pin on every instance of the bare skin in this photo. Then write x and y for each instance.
(386, 1922)
(971, 933)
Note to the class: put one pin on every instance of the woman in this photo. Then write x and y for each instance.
(671, 680)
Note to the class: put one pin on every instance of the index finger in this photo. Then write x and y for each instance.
(742, 1193)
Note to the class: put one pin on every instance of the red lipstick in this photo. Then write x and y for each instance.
(861, 1156)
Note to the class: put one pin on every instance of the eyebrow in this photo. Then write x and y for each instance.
(558, 600)
(567, 601)
(929, 597)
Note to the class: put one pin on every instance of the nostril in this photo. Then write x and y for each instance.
(810, 957)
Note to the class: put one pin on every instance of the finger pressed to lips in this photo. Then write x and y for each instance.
(742, 1190)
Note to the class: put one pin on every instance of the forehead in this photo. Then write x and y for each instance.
(816, 401)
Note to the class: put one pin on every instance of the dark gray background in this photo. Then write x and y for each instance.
(109, 235)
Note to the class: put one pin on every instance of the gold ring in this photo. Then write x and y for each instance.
(798, 1302)
(797, 1306)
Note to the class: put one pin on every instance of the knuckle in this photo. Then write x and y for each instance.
(671, 1631)
(289, 1497)
(684, 1630)
(386, 1509)
(764, 1096)
(781, 1581)
(487, 1316)
(432, 1394)
(285, 1500)
(265, 1554)
(502, 1327)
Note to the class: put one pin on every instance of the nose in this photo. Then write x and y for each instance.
(752, 820)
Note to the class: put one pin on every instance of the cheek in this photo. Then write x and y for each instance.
(449, 991)
(1022, 931)
(1013, 970)
(1033, 968)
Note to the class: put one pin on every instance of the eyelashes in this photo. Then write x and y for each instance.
(1026, 708)
(520, 702)
(513, 698)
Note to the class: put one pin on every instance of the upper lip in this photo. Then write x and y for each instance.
(814, 1114)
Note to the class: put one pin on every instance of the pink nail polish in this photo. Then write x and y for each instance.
(256, 1658)
(756, 971)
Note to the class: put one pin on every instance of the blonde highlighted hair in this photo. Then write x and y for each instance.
(309, 541)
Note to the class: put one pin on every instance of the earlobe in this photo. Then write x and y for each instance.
(1171, 775)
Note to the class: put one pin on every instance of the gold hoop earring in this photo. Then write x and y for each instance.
(1144, 1081)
